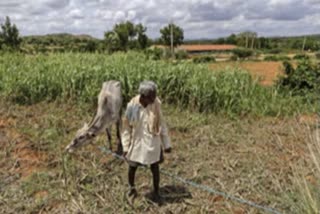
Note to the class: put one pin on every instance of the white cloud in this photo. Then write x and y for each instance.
(119, 16)
(198, 18)
(131, 14)
(75, 14)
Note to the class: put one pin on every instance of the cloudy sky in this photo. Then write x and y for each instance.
(198, 18)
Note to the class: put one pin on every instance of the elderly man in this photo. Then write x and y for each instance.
(145, 134)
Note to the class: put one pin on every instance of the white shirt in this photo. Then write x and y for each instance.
(141, 145)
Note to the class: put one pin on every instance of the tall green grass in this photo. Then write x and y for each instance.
(307, 178)
(79, 77)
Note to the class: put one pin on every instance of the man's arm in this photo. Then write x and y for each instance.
(164, 134)
(127, 130)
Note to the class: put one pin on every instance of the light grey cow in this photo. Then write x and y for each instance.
(108, 113)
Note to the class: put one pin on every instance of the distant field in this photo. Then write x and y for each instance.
(267, 72)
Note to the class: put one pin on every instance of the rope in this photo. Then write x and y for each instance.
(202, 187)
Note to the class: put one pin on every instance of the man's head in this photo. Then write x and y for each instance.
(148, 92)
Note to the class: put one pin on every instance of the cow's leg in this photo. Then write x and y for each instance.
(119, 149)
(109, 137)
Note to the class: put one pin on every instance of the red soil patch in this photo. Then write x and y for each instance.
(41, 194)
(27, 159)
(311, 179)
(266, 72)
(307, 119)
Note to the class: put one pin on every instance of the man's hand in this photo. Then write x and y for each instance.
(168, 150)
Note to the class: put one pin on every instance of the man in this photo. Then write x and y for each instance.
(145, 134)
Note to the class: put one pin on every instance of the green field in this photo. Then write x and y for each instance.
(79, 77)
(228, 132)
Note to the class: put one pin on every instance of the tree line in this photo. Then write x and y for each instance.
(251, 40)
(126, 36)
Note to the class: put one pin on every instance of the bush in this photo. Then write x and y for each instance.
(242, 53)
(234, 58)
(318, 55)
(166, 53)
(181, 54)
(204, 59)
(274, 51)
(301, 57)
(302, 80)
(276, 58)
(154, 53)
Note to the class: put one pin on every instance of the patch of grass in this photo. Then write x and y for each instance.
(241, 156)
(306, 177)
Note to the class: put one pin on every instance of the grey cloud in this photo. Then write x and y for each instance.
(287, 10)
(198, 18)
(210, 12)
(57, 4)
(314, 2)
(8, 4)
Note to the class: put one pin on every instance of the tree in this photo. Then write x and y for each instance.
(253, 36)
(177, 34)
(264, 43)
(232, 39)
(244, 39)
(9, 35)
(131, 29)
(122, 32)
(142, 37)
(242, 53)
(90, 46)
(1, 41)
(126, 35)
(126, 32)
(220, 41)
(113, 41)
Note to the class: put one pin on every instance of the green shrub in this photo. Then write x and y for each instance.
(242, 53)
(276, 58)
(302, 80)
(233, 58)
(204, 59)
(318, 55)
(181, 54)
(274, 51)
(301, 57)
(154, 53)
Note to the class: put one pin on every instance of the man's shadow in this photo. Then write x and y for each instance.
(171, 194)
